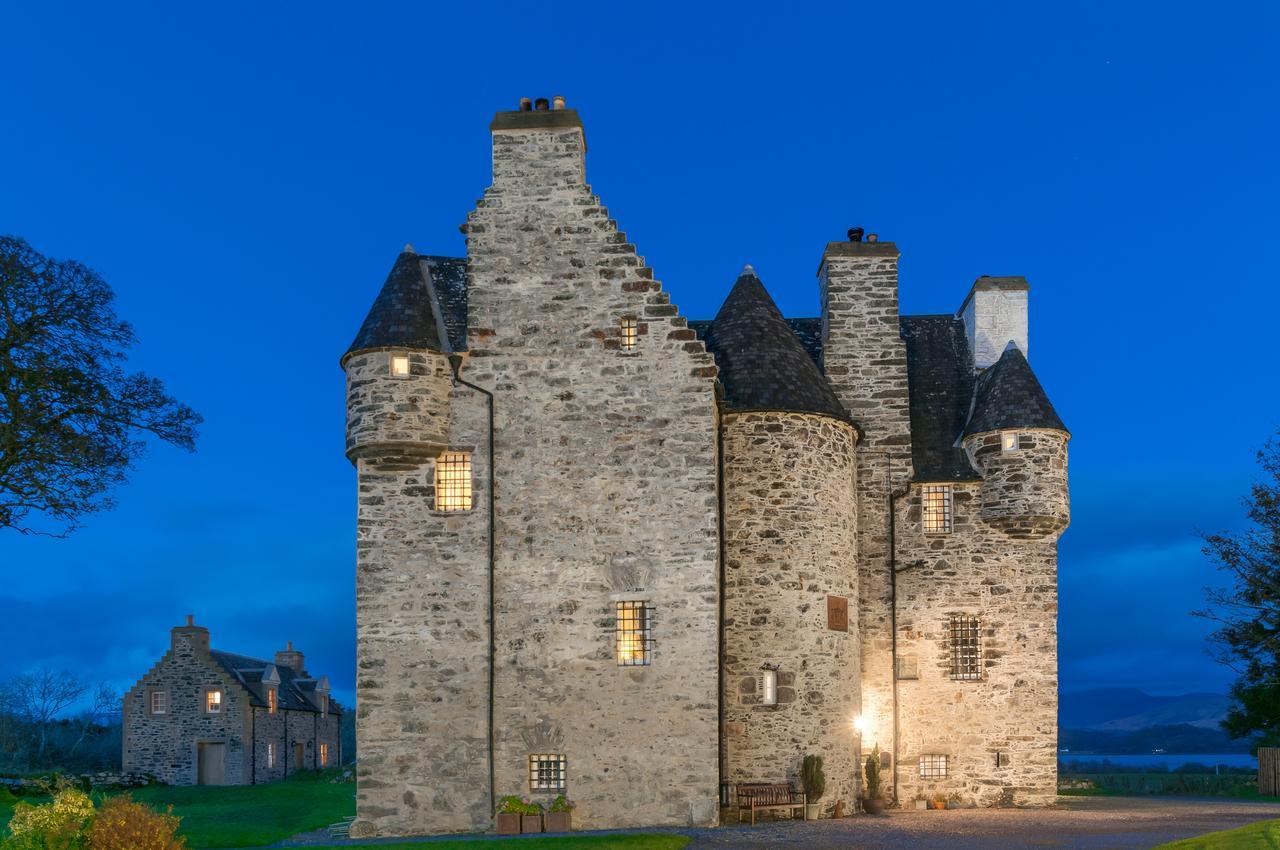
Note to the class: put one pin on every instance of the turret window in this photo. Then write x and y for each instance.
(630, 328)
(936, 499)
(633, 634)
(453, 481)
(400, 365)
(1009, 441)
(966, 647)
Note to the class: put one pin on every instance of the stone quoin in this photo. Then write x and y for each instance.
(609, 552)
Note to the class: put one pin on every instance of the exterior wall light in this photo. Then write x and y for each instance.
(860, 724)
(767, 685)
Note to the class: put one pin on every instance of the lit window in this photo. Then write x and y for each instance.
(966, 659)
(159, 702)
(213, 702)
(453, 481)
(937, 508)
(324, 755)
(1009, 441)
(633, 634)
(546, 772)
(630, 333)
(271, 755)
(767, 685)
(933, 767)
(271, 700)
(400, 365)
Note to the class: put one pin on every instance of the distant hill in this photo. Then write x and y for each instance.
(1179, 738)
(1129, 709)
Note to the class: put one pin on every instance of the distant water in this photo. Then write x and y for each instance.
(1172, 761)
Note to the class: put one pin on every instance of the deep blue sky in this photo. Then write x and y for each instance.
(245, 175)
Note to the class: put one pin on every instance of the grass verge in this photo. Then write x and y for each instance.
(575, 842)
(1263, 835)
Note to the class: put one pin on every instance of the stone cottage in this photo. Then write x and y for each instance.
(201, 716)
(609, 552)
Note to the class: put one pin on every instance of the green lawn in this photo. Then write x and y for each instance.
(1263, 835)
(577, 842)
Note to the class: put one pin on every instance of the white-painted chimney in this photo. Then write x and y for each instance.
(995, 314)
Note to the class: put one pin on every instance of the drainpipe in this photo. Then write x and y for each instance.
(253, 745)
(455, 361)
(723, 748)
(893, 614)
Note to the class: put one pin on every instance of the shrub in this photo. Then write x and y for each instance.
(122, 824)
(560, 804)
(513, 805)
(874, 791)
(815, 781)
(57, 825)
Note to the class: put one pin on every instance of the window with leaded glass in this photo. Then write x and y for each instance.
(547, 772)
(936, 500)
(966, 647)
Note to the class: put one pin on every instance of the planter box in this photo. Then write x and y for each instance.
(531, 823)
(508, 824)
(558, 821)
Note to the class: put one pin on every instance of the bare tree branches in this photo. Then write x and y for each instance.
(40, 696)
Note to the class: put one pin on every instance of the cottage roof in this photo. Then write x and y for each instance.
(763, 364)
(293, 688)
(1010, 396)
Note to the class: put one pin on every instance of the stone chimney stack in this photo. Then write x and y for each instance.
(291, 658)
(995, 314)
(538, 146)
(189, 633)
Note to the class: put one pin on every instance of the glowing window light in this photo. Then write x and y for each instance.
(324, 755)
(271, 700)
(213, 702)
(630, 333)
(1009, 441)
(633, 636)
(767, 685)
(937, 508)
(400, 365)
(453, 481)
(547, 772)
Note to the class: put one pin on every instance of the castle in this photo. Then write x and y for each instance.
(608, 552)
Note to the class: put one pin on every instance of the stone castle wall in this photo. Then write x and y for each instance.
(386, 412)
(790, 543)
(1024, 493)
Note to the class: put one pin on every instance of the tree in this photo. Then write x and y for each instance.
(72, 421)
(39, 697)
(1248, 612)
(106, 700)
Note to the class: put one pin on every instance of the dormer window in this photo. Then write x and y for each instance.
(271, 700)
(630, 329)
(1009, 441)
(399, 365)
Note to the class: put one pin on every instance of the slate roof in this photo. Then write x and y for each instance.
(403, 314)
(763, 364)
(293, 688)
(1010, 396)
(940, 384)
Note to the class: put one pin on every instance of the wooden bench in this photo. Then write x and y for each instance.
(763, 796)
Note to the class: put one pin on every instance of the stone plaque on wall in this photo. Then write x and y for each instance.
(838, 613)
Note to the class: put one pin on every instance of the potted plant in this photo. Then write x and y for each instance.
(873, 799)
(510, 808)
(815, 785)
(531, 817)
(559, 815)
(939, 803)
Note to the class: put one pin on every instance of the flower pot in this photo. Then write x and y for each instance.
(812, 811)
(558, 821)
(938, 805)
(531, 823)
(873, 805)
(508, 824)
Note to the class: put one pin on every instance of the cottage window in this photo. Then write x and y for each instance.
(159, 702)
(937, 508)
(933, 766)
(271, 700)
(400, 365)
(634, 634)
(547, 772)
(271, 755)
(630, 333)
(324, 755)
(453, 481)
(324, 705)
(1009, 441)
(213, 701)
(966, 650)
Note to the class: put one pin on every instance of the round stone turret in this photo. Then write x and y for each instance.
(398, 372)
(1019, 444)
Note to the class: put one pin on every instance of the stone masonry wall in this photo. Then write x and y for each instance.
(790, 542)
(305, 727)
(386, 412)
(1024, 493)
(165, 745)
(1000, 732)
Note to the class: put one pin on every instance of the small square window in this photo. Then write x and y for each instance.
(933, 766)
(547, 772)
(936, 500)
(1009, 441)
(159, 702)
(400, 365)
(453, 481)
(213, 701)
(630, 333)
(271, 700)
(634, 634)
(966, 648)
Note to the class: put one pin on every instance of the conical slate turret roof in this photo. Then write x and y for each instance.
(762, 364)
(403, 313)
(1008, 395)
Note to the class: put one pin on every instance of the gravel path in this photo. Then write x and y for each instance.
(1086, 823)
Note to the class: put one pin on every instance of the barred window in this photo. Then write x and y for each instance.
(400, 365)
(630, 333)
(966, 650)
(159, 702)
(634, 634)
(933, 766)
(1009, 441)
(547, 772)
(937, 508)
(453, 481)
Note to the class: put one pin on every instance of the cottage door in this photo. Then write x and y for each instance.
(299, 756)
(211, 764)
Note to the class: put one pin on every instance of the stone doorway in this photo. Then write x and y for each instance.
(211, 764)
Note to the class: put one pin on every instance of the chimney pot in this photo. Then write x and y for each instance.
(525, 104)
(191, 619)
(541, 104)
(557, 102)
(871, 237)
(855, 234)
